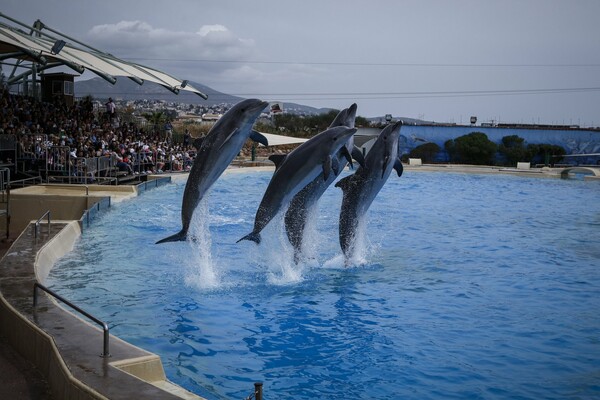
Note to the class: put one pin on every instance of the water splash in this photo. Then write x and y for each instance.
(277, 254)
(201, 271)
(362, 250)
(312, 240)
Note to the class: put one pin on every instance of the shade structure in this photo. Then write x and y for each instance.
(278, 140)
(42, 49)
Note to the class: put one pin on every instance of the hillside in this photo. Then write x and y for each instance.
(126, 89)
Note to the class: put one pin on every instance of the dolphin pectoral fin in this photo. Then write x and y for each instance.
(277, 159)
(358, 156)
(335, 166)
(259, 137)
(398, 167)
(347, 155)
(228, 137)
(255, 237)
(326, 167)
(178, 237)
(198, 143)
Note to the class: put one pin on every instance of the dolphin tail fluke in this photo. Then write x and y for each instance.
(178, 237)
(255, 237)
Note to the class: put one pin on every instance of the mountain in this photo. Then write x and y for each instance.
(126, 89)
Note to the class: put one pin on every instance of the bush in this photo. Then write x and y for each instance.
(426, 152)
(545, 153)
(474, 148)
(513, 149)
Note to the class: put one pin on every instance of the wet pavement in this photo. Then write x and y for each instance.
(19, 379)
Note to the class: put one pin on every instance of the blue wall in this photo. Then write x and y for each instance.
(574, 141)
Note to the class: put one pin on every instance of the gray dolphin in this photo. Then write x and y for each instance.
(295, 171)
(215, 152)
(361, 188)
(305, 201)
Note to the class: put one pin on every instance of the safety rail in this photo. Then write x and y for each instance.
(105, 351)
(258, 392)
(36, 228)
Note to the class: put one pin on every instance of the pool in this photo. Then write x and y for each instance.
(470, 286)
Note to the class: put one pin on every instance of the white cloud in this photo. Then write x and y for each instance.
(162, 48)
(206, 29)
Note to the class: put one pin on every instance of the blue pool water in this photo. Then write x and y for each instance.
(470, 286)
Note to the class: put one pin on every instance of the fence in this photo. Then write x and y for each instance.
(62, 167)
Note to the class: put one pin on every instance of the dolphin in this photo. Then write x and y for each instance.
(304, 202)
(294, 171)
(361, 188)
(215, 152)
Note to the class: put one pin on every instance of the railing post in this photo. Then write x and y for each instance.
(258, 390)
(105, 329)
(36, 226)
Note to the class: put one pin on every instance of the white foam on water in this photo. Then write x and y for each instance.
(202, 271)
(312, 239)
(277, 254)
(362, 250)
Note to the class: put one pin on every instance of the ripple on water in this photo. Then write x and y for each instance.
(468, 287)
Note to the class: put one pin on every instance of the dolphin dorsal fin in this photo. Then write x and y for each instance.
(398, 167)
(228, 137)
(259, 137)
(277, 159)
(347, 155)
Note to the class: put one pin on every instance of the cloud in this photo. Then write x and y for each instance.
(205, 49)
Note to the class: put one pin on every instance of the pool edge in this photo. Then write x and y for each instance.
(71, 372)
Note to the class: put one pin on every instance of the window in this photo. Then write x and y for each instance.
(57, 87)
(69, 88)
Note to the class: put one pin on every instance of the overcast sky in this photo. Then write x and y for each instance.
(439, 60)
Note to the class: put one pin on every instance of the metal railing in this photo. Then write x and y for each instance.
(258, 392)
(105, 351)
(36, 227)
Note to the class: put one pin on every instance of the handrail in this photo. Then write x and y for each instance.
(104, 326)
(37, 224)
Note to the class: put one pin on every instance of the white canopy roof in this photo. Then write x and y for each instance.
(14, 43)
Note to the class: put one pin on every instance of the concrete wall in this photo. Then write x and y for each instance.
(30, 207)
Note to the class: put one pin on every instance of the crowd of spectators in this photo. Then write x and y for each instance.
(88, 133)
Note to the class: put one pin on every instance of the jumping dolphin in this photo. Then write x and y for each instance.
(305, 201)
(215, 152)
(361, 188)
(295, 171)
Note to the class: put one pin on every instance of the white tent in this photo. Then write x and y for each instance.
(277, 140)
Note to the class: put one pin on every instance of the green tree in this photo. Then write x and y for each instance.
(514, 150)
(474, 148)
(545, 153)
(426, 152)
